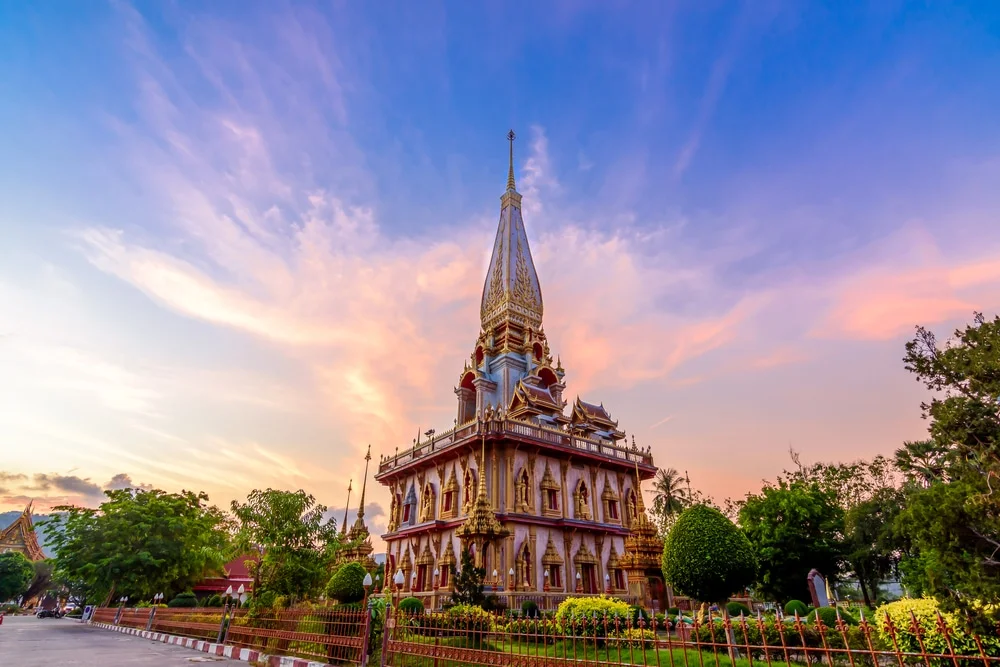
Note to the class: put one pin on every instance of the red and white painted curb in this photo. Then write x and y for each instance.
(223, 650)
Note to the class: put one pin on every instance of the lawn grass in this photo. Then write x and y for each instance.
(581, 651)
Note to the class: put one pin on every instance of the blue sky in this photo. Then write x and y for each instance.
(253, 234)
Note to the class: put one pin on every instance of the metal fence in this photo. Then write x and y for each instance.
(324, 634)
(440, 640)
(449, 639)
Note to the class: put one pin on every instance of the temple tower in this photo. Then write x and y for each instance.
(538, 494)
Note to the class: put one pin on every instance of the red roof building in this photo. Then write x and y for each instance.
(235, 574)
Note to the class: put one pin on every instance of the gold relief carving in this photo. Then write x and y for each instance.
(427, 503)
(581, 501)
(495, 292)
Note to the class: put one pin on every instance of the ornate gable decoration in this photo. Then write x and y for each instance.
(551, 556)
(20, 536)
(548, 481)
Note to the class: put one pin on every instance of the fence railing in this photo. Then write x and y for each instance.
(443, 640)
(325, 634)
(328, 635)
(450, 639)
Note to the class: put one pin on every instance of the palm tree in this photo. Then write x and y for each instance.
(922, 460)
(670, 496)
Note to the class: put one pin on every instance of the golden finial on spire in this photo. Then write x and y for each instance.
(510, 171)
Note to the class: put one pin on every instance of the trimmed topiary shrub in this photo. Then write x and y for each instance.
(185, 599)
(737, 609)
(829, 616)
(639, 617)
(706, 557)
(213, 601)
(793, 607)
(347, 583)
(411, 606)
(529, 609)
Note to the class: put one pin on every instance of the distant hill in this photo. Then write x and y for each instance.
(7, 518)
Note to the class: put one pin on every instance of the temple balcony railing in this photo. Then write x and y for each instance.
(464, 434)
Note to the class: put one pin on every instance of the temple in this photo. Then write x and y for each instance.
(547, 500)
(20, 536)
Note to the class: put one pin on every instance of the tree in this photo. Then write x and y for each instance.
(953, 524)
(923, 461)
(871, 548)
(793, 529)
(706, 557)
(41, 582)
(669, 497)
(293, 545)
(347, 583)
(139, 543)
(15, 575)
(468, 582)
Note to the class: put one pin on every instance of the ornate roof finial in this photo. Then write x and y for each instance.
(364, 483)
(510, 171)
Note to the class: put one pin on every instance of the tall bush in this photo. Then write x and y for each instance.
(185, 599)
(347, 583)
(706, 557)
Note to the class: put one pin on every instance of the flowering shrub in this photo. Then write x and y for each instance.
(925, 610)
(474, 620)
(594, 616)
(638, 638)
(543, 631)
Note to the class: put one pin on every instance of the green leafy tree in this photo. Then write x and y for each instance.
(953, 524)
(706, 557)
(16, 573)
(139, 543)
(871, 547)
(293, 546)
(793, 529)
(469, 582)
(347, 583)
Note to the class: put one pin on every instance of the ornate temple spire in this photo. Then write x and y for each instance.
(511, 293)
(359, 545)
(510, 170)
(347, 507)
(360, 522)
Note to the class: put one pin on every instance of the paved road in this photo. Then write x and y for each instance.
(26, 641)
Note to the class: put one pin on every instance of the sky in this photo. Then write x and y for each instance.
(243, 241)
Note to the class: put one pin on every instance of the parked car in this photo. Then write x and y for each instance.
(49, 613)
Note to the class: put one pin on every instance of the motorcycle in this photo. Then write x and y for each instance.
(49, 613)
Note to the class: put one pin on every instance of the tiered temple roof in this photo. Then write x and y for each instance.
(20, 536)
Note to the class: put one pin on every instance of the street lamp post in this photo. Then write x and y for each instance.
(397, 581)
